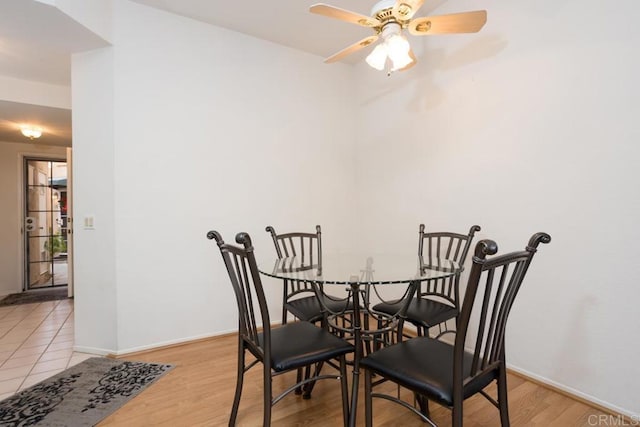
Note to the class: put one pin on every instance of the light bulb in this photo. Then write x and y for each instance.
(398, 51)
(378, 57)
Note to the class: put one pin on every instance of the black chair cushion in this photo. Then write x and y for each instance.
(299, 344)
(423, 365)
(421, 311)
(309, 309)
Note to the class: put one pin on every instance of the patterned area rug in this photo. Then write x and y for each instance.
(35, 296)
(82, 395)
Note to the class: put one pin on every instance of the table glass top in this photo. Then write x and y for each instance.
(361, 269)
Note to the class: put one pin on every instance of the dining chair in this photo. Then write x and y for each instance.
(302, 299)
(282, 349)
(449, 374)
(437, 300)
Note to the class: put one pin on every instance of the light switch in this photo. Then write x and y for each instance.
(89, 222)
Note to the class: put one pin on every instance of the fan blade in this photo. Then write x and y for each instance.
(404, 10)
(412, 63)
(353, 48)
(344, 15)
(466, 22)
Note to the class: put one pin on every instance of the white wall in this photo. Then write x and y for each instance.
(12, 201)
(30, 92)
(530, 125)
(211, 130)
(93, 196)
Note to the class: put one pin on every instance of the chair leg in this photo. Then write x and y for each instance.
(423, 404)
(239, 382)
(367, 343)
(456, 414)
(345, 390)
(284, 322)
(266, 419)
(368, 400)
(285, 287)
(306, 389)
(377, 343)
(299, 379)
(309, 386)
(503, 402)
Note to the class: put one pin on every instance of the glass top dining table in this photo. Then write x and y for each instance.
(348, 269)
(356, 271)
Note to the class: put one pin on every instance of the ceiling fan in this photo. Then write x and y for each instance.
(388, 19)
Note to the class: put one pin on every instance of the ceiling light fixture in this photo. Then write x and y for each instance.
(394, 47)
(31, 132)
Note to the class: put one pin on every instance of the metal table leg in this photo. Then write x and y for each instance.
(355, 288)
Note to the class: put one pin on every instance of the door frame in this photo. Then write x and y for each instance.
(70, 230)
(22, 183)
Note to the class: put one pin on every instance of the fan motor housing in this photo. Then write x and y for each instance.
(382, 10)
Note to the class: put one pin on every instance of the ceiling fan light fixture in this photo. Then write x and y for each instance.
(31, 132)
(394, 47)
(398, 51)
(378, 57)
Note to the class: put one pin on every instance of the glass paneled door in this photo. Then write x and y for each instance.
(45, 223)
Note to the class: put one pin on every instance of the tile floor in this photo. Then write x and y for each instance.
(36, 342)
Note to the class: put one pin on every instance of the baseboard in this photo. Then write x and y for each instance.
(151, 347)
(92, 350)
(626, 416)
(169, 344)
(122, 354)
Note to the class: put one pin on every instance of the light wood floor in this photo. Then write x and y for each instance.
(199, 392)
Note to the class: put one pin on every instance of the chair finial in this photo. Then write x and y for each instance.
(473, 230)
(536, 239)
(484, 248)
(243, 238)
(214, 235)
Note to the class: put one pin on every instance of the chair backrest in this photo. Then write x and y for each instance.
(445, 245)
(247, 286)
(434, 246)
(491, 290)
(306, 246)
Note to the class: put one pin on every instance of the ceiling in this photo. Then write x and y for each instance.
(36, 43)
(54, 122)
(286, 22)
(37, 40)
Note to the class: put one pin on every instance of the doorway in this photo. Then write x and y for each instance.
(46, 224)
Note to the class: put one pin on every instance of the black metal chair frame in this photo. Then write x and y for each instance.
(492, 288)
(245, 278)
(307, 247)
(444, 291)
